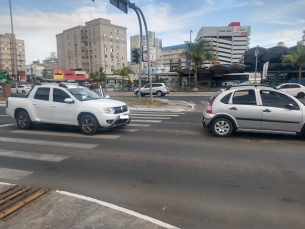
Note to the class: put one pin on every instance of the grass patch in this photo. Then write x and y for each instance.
(2, 98)
(143, 102)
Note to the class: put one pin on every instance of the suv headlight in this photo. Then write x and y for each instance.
(109, 110)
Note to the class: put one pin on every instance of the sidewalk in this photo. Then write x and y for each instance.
(67, 210)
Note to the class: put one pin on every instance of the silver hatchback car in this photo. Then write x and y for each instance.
(254, 108)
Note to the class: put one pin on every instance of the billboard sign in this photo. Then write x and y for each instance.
(240, 30)
(153, 55)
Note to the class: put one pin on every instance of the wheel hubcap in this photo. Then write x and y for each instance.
(22, 120)
(87, 125)
(222, 127)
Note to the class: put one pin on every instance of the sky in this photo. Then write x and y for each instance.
(38, 21)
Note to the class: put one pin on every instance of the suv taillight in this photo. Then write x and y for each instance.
(209, 108)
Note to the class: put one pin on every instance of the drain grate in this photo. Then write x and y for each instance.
(14, 199)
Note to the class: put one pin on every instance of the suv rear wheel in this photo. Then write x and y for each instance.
(222, 127)
(23, 120)
(159, 93)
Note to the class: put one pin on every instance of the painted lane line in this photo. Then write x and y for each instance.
(124, 210)
(50, 133)
(149, 117)
(127, 130)
(32, 156)
(49, 143)
(144, 125)
(3, 183)
(13, 174)
(153, 115)
(152, 121)
(5, 125)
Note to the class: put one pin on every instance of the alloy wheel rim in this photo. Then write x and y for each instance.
(87, 125)
(22, 120)
(222, 127)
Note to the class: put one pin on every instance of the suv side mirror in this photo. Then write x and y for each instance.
(69, 100)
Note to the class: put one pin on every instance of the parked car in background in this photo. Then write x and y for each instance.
(293, 89)
(254, 108)
(21, 89)
(159, 89)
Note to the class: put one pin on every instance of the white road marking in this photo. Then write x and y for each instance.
(148, 112)
(5, 125)
(153, 115)
(144, 125)
(49, 143)
(191, 102)
(32, 156)
(127, 130)
(52, 133)
(3, 115)
(149, 117)
(153, 121)
(13, 174)
(124, 210)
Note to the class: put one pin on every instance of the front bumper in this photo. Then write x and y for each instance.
(120, 121)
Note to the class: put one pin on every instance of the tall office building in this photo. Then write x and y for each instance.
(6, 55)
(97, 44)
(230, 42)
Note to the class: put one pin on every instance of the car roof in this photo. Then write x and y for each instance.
(252, 86)
(61, 85)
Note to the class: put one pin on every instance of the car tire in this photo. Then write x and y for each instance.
(136, 93)
(159, 93)
(143, 95)
(88, 125)
(301, 95)
(23, 120)
(222, 127)
(23, 92)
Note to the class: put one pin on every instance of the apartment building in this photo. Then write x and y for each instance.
(6, 55)
(155, 45)
(172, 57)
(230, 42)
(97, 44)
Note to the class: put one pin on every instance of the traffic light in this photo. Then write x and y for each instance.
(134, 56)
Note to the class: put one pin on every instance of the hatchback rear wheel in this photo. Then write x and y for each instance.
(222, 127)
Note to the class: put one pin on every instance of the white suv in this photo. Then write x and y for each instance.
(293, 89)
(159, 89)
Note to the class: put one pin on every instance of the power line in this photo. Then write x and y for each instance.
(280, 41)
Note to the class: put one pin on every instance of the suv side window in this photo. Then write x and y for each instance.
(147, 86)
(59, 96)
(294, 86)
(42, 93)
(244, 97)
(226, 98)
(276, 99)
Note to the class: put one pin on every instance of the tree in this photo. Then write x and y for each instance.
(125, 71)
(97, 76)
(297, 56)
(200, 52)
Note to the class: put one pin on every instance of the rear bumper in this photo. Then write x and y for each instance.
(206, 119)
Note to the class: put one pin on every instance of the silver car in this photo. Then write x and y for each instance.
(159, 89)
(254, 108)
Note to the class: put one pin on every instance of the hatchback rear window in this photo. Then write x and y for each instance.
(215, 95)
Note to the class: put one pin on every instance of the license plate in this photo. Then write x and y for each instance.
(125, 116)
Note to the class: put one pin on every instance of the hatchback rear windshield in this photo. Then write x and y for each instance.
(215, 95)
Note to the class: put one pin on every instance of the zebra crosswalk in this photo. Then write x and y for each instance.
(139, 121)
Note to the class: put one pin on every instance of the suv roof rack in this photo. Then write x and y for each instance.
(248, 85)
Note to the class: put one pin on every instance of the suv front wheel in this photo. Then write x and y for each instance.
(222, 127)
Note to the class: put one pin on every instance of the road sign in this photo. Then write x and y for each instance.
(120, 4)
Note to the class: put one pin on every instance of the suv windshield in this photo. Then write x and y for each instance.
(84, 94)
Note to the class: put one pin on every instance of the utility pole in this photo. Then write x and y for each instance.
(190, 62)
(13, 41)
(256, 55)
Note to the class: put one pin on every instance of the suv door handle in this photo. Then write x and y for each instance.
(233, 108)
(267, 110)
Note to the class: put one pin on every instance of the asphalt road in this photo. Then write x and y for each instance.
(173, 170)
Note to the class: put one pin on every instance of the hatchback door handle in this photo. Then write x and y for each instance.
(53, 106)
(267, 110)
(34, 103)
(233, 108)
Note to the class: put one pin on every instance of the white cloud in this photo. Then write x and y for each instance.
(250, 3)
(301, 21)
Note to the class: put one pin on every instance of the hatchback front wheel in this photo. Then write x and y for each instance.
(222, 127)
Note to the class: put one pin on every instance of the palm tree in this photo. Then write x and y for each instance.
(124, 72)
(199, 53)
(297, 56)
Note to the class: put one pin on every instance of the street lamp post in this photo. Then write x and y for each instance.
(13, 41)
(190, 62)
(105, 84)
(256, 55)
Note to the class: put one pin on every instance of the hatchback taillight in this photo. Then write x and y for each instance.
(209, 108)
